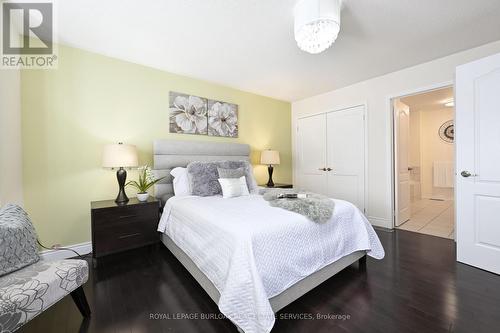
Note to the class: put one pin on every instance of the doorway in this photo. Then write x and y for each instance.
(424, 162)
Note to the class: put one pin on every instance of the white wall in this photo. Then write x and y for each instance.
(376, 94)
(433, 148)
(10, 137)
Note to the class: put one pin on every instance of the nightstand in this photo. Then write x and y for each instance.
(116, 228)
(279, 186)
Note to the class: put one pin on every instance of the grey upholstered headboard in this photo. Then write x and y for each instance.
(169, 154)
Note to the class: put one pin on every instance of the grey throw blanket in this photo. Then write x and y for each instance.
(315, 207)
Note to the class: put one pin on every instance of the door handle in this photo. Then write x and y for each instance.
(130, 235)
(467, 174)
(127, 216)
(322, 169)
(329, 169)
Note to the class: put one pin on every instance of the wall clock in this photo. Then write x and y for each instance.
(447, 131)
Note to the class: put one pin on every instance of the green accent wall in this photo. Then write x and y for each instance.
(69, 113)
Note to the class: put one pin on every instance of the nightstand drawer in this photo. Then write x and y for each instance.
(128, 235)
(114, 218)
(118, 223)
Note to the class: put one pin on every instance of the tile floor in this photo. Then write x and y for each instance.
(431, 217)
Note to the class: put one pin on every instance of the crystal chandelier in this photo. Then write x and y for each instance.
(317, 24)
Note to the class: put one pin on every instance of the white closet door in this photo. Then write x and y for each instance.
(346, 155)
(311, 147)
(477, 122)
(402, 172)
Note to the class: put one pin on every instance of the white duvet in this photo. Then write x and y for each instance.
(252, 252)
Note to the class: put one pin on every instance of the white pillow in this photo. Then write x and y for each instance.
(233, 187)
(181, 181)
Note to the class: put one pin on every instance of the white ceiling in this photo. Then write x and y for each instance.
(429, 101)
(249, 44)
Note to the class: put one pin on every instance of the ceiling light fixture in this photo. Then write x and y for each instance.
(317, 24)
(450, 104)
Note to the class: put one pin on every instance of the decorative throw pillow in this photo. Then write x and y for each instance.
(231, 173)
(203, 176)
(251, 182)
(180, 182)
(18, 246)
(233, 187)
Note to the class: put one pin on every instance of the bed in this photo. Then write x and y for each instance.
(250, 258)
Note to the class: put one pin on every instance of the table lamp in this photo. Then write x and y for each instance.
(270, 158)
(120, 156)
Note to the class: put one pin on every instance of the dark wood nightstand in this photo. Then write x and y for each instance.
(279, 186)
(116, 228)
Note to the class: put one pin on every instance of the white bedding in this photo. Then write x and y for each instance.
(252, 252)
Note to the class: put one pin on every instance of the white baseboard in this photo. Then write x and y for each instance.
(380, 222)
(82, 248)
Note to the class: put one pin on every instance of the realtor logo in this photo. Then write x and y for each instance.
(28, 35)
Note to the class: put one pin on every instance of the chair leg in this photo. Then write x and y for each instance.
(80, 300)
(362, 263)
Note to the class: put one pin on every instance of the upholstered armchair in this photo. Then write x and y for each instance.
(30, 285)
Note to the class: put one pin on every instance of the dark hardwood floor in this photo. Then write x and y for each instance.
(417, 287)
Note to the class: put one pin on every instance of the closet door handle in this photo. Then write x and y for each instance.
(322, 169)
(329, 169)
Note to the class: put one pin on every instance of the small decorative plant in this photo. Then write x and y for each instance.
(146, 180)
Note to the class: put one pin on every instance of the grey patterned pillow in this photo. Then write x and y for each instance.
(203, 176)
(251, 183)
(231, 173)
(18, 246)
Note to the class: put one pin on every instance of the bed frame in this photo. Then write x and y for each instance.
(169, 154)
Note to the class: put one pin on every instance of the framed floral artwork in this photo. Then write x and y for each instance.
(188, 114)
(222, 119)
(198, 115)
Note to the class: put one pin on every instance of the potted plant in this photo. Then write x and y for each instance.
(146, 180)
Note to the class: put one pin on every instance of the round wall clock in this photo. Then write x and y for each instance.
(447, 132)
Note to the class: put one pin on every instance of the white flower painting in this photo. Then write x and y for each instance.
(188, 114)
(197, 115)
(222, 119)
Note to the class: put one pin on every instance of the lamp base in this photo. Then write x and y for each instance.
(270, 182)
(121, 176)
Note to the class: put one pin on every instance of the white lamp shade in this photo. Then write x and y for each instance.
(119, 156)
(270, 157)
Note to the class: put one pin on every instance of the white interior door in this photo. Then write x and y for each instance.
(346, 155)
(477, 124)
(401, 170)
(311, 146)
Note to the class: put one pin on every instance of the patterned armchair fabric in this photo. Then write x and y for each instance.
(18, 246)
(27, 292)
